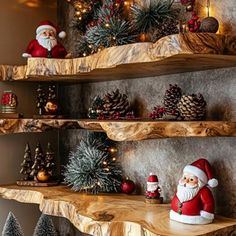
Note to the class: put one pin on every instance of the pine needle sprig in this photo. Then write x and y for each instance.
(150, 15)
(114, 33)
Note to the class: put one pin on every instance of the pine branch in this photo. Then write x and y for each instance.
(113, 33)
(148, 16)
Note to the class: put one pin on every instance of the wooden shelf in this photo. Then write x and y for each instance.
(125, 130)
(140, 130)
(112, 214)
(9, 126)
(172, 54)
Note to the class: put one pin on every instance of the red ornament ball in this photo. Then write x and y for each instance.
(127, 186)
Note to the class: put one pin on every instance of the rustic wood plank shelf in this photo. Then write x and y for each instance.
(112, 214)
(9, 126)
(172, 54)
(146, 129)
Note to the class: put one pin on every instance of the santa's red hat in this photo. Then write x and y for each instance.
(152, 179)
(203, 170)
(49, 25)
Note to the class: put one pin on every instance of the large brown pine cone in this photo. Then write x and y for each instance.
(115, 103)
(192, 107)
(171, 99)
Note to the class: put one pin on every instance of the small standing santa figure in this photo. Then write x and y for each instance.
(193, 202)
(152, 194)
(46, 44)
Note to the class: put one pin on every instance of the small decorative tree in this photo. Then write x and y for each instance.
(45, 227)
(27, 163)
(39, 163)
(93, 167)
(49, 159)
(41, 101)
(12, 226)
(51, 106)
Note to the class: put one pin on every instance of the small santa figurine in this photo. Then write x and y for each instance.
(193, 202)
(46, 44)
(152, 193)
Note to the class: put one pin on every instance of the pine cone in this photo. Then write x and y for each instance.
(167, 27)
(192, 107)
(171, 99)
(115, 103)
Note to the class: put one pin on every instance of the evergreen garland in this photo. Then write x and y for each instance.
(82, 47)
(151, 15)
(45, 227)
(116, 32)
(92, 168)
(12, 226)
(111, 29)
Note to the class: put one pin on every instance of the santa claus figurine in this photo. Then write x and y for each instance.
(152, 194)
(193, 202)
(46, 44)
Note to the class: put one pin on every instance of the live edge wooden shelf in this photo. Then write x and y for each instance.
(171, 54)
(112, 214)
(146, 129)
(125, 130)
(10, 126)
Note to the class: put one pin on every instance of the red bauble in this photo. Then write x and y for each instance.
(127, 186)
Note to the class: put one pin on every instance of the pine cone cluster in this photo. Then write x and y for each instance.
(171, 99)
(192, 107)
(112, 106)
(167, 27)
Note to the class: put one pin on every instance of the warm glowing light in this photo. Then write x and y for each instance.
(107, 25)
(90, 46)
(113, 149)
(208, 8)
(104, 163)
(77, 13)
(84, 54)
(113, 159)
(126, 3)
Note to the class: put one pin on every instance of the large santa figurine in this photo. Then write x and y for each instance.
(193, 202)
(46, 44)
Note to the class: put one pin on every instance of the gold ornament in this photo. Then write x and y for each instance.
(43, 176)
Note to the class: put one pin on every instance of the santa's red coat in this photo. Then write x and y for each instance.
(203, 201)
(36, 50)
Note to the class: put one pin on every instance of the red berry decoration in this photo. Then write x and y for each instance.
(127, 186)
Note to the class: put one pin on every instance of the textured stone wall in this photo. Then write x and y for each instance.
(166, 157)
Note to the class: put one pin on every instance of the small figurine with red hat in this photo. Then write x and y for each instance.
(46, 44)
(193, 202)
(152, 194)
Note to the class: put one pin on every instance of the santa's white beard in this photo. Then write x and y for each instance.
(187, 193)
(47, 42)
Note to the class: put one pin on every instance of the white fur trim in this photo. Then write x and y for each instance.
(26, 55)
(207, 215)
(43, 27)
(152, 183)
(197, 172)
(194, 220)
(62, 34)
(213, 183)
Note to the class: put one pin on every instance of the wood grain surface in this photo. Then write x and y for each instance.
(171, 54)
(112, 214)
(8, 126)
(140, 130)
